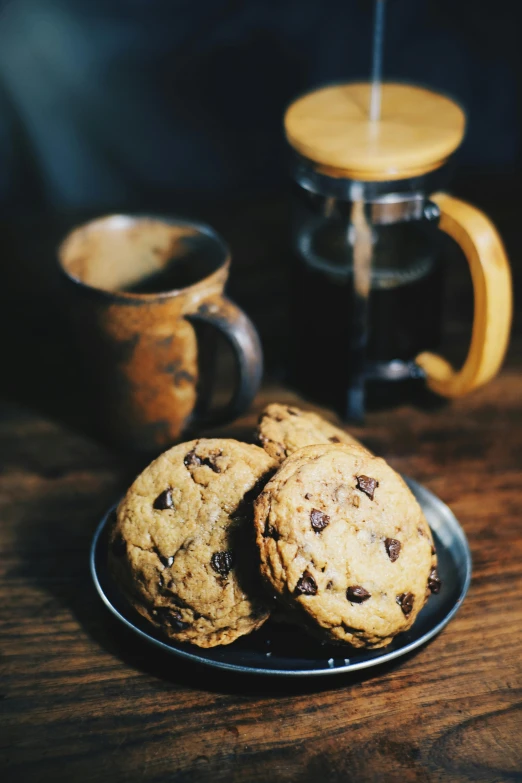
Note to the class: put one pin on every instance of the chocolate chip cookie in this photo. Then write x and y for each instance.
(345, 545)
(182, 546)
(283, 429)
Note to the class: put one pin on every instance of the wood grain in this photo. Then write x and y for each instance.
(417, 131)
(492, 299)
(81, 700)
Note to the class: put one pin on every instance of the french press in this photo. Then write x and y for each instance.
(369, 286)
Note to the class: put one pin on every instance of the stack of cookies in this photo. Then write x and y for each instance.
(213, 529)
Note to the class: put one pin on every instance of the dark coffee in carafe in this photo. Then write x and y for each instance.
(404, 306)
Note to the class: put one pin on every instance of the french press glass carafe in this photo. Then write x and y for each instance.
(368, 291)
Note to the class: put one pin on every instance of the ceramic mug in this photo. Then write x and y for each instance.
(135, 288)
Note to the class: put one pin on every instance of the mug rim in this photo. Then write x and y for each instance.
(127, 296)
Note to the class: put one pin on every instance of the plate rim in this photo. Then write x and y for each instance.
(347, 668)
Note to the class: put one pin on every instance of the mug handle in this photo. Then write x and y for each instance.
(493, 300)
(221, 313)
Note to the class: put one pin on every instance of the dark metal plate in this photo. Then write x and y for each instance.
(285, 651)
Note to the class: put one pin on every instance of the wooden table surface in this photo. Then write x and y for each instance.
(83, 700)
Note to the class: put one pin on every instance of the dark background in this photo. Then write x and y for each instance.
(176, 106)
(116, 102)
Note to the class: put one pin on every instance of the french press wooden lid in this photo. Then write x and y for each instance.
(416, 133)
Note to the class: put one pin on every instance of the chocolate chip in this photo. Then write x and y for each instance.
(306, 585)
(334, 439)
(367, 485)
(318, 520)
(170, 616)
(271, 532)
(357, 594)
(434, 582)
(393, 548)
(211, 464)
(405, 601)
(118, 547)
(192, 460)
(421, 532)
(164, 500)
(222, 562)
(176, 621)
(329, 585)
(308, 496)
(432, 549)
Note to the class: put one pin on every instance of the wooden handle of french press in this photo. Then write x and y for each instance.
(493, 300)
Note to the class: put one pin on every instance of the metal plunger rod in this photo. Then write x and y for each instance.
(378, 38)
(362, 270)
(363, 247)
